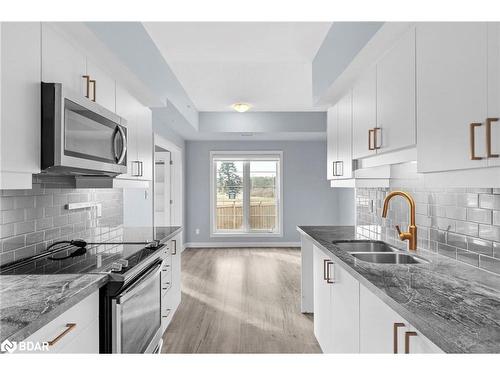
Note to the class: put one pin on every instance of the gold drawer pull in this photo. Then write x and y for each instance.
(92, 81)
(69, 328)
(175, 247)
(395, 339)
(472, 136)
(407, 340)
(87, 79)
(375, 141)
(489, 120)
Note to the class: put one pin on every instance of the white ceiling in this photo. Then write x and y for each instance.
(267, 64)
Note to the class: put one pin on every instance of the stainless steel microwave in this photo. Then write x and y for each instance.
(80, 137)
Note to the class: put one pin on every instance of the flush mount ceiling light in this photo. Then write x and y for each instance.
(241, 107)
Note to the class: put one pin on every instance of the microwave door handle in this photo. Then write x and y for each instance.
(124, 145)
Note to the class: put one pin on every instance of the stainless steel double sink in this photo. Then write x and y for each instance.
(378, 252)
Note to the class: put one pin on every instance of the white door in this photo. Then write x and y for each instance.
(494, 90)
(396, 95)
(162, 184)
(104, 86)
(452, 90)
(62, 62)
(331, 141)
(364, 114)
(343, 167)
(322, 295)
(381, 329)
(344, 310)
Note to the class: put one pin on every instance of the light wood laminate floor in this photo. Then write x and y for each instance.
(240, 301)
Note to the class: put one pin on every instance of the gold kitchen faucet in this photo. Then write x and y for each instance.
(411, 235)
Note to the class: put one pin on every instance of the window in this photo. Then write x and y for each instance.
(246, 194)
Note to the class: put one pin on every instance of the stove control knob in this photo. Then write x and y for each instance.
(116, 267)
(123, 262)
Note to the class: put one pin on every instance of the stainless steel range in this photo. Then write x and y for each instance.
(130, 303)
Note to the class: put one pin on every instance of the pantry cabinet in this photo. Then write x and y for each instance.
(452, 95)
(20, 76)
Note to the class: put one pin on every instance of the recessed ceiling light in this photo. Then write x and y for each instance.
(241, 107)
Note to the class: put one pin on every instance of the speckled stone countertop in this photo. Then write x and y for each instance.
(454, 305)
(28, 302)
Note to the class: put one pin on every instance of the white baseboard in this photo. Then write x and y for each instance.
(241, 244)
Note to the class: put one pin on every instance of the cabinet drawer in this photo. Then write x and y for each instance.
(76, 327)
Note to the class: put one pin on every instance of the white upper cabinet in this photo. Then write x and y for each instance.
(364, 115)
(20, 103)
(62, 62)
(343, 167)
(396, 96)
(139, 135)
(452, 86)
(494, 91)
(102, 88)
(331, 141)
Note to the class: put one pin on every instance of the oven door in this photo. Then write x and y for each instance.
(136, 317)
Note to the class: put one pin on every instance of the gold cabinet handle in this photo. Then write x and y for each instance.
(175, 247)
(69, 328)
(395, 336)
(87, 79)
(375, 139)
(489, 120)
(328, 279)
(472, 137)
(408, 334)
(370, 133)
(92, 81)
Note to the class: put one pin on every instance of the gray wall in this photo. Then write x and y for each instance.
(307, 197)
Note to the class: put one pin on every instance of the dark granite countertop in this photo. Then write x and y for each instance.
(454, 305)
(28, 302)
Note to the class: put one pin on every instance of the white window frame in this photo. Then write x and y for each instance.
(254, 155)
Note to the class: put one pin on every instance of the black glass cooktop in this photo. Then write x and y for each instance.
(96, 258)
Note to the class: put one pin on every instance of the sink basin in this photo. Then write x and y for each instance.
(389, 258)
(365, 246)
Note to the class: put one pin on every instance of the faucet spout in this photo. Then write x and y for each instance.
(411, 234)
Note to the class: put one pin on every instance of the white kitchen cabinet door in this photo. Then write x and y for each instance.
(494, 90)
(344, 138)
(452, 87)
(62, 62)
(322, 302)
(396, 96)
(331, 141)
(128, 108)
(377, 325)
(344, 311)
(419, 344)
(172, 298)
(145, 143)
(105, 86)
(364, 113)
(19, 104)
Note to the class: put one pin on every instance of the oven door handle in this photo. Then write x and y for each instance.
(140, 283)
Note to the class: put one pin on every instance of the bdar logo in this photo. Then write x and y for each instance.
(8, 346)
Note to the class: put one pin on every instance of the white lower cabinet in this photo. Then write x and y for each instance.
(171, 280)
(349, 318)
(336, 306)
(382, 330)
(74, 331)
